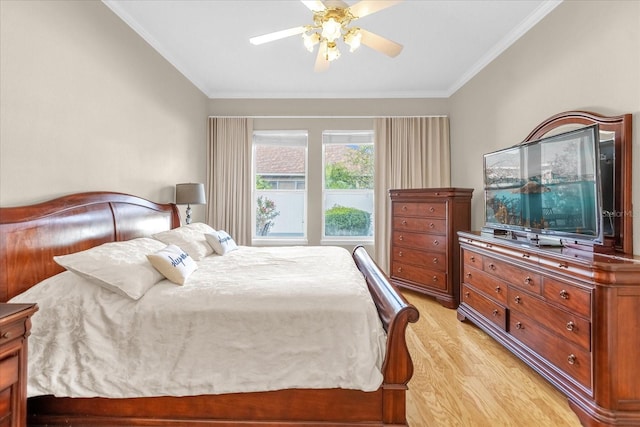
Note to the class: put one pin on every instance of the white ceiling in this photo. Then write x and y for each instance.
(445, 44)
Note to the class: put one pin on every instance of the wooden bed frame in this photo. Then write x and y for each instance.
(31, 235)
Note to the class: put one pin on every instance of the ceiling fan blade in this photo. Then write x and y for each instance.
(335, 4)
(276, 35)
(314, 5)
(367, 7)
(379, 43)
(322, 64)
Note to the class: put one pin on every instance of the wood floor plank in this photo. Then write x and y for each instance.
(464, 378)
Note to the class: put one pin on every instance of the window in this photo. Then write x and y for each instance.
(280, 172)
(348, 182)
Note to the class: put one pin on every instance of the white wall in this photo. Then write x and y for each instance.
(585, 55)
(86, 105)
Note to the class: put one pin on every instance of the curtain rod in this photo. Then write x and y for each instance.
(325, 117)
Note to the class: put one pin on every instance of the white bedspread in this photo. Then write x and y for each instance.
(254, 319)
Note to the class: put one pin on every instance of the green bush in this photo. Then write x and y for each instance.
(342, 221)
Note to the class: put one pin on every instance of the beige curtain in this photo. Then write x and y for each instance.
(410, 152)
(229, 176)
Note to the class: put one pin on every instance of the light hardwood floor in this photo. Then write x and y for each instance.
(464, 378)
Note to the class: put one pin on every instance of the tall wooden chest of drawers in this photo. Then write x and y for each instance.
(425, 255)
(15, 325)
(573, 317)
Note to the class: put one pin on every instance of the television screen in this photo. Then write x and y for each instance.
(550, 187)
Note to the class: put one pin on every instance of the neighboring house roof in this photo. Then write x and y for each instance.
(280, 160)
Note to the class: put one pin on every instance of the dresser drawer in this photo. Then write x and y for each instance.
(12, 331)
(574, 298)
(428, 225)
(514, 275)
(426, 242)
(426, 277)
(473, 259)
(566, 356)
(485, 283)
(488, 308)
(560, 322)
(433, 260)
(423, 209)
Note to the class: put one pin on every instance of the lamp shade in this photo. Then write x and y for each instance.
(190, 194)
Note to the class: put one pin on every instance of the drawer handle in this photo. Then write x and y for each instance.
(400, 253)
(404, 222)
(401, 237)
(517, 299)
(492, 266)
(519, 325)
(6, 335)
(467, 294)
(571, 359)
(525, 255)
(435, 278)
(431, 209)
(468, 275)
(527, 280)
(564, 294)
(399, 269)
(495, 312)
(472, 258)
(563, 265)
(435, 260)
(436, 243)
(498, 289)
(431, 225)
(404, 208)
(571, 326)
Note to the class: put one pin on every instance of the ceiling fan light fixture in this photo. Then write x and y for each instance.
(353, 38)
(332, 52)
(310, 40)
(331, 30)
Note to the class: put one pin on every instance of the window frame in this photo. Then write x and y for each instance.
(272, 137)
(347, 137)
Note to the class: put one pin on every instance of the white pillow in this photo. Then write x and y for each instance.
(174, 263)
(190, 238)
(221, 242)
(121, 267)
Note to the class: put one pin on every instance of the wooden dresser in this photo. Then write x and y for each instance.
(424, 242)
(15, 324)
(574, 317)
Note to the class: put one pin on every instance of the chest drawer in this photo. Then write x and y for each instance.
(432, 260)
(426, 242)
(488, 308)
(423, 209)
(560, 322)
(568, 357)
(514, 275)
(574, 298)
(427, 225)
(485, 283)
(431, 278)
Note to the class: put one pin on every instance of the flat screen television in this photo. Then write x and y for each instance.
(547, 190)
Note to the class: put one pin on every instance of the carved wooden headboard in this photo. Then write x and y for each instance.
(31, 235)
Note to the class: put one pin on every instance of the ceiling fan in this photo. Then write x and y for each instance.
(331, 20)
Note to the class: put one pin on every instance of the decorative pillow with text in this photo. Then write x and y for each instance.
(174, 263)
(221, 242)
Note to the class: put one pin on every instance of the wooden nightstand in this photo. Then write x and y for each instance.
(15, 324)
